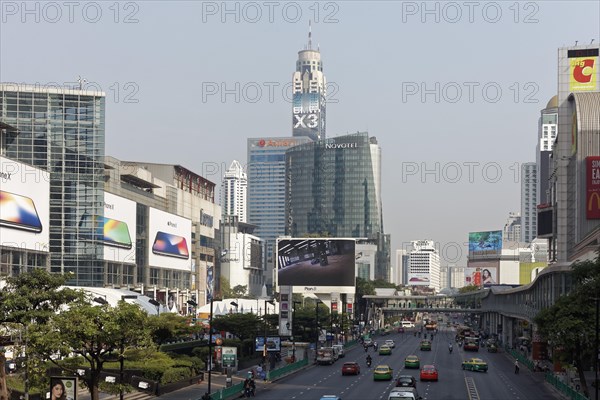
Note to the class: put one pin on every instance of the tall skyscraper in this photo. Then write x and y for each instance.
(512, 228)
(266, 191)
(547, 129)
(333, 189)
(309, 90)
(424, 265)
(233, 192)
(61, 131)
(528, 202)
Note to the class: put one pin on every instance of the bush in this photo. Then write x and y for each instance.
(175, 374)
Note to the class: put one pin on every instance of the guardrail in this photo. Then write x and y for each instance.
(288, 369)
(234, 391)
(520, 357)
(564, 388)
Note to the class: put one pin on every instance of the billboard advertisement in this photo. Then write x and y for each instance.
(307, 117)
(24, 206)
(418, 279)
(592, 187)
(485, 243)
(273, 343)
(314, 265)
(482, 273)
(583, 73)
(116, 229)
(169, 240)
(63, 387)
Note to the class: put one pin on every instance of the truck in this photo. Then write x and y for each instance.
(326, 355)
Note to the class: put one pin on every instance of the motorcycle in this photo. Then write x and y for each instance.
(450, 350)
(369, 362)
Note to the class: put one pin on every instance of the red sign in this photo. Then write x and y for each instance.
(334, 307)
(592, 200)
(349, 308)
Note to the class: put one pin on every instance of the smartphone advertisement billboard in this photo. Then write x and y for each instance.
(118, 233)
(170, 240)
(24, 206)
(317, 265)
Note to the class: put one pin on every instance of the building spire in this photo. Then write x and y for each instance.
(309, 34)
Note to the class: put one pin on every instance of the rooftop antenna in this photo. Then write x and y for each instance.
(576, 42)
(81, 81)
(309, 35)
(592, 41)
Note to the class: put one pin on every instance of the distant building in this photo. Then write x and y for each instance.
(512, 228)
(528, 202)
(424, 265)
(233, 192)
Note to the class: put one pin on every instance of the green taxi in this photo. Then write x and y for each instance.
(425, 345)
(385, 350)
(475, 364)
(412, 362)
(382, 373)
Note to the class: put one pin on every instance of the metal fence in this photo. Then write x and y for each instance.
(564, 388)
(279, 372)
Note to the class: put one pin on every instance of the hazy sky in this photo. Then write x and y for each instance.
(451, 90)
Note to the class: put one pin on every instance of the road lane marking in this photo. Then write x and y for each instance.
(471, 388)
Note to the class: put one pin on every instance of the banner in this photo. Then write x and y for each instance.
(592, 187)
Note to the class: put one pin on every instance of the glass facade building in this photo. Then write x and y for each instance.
(61, 131)
(333, 189)
(266, 191)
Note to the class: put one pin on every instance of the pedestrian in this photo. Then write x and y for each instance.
(516, 366)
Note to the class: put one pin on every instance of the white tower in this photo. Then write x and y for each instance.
(233, 192)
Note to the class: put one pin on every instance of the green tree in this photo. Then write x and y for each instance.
(166, 326)
(468, 289)
(27, 300)
(239, 291)
(95, 334)
(225, 292)
(570, 322)
(241, 325)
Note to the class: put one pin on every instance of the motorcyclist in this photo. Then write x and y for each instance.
(375, 345)
(450, 347)
(369, 360)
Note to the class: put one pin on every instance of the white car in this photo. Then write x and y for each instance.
(390, 343)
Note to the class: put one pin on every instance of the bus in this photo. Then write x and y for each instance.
(471, 344)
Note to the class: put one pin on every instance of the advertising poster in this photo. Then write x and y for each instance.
(485, 243)
(170, 240)
(481, 273)
(273, 343)
(317, 265)
(24, 206)
(63, 388)
(592, 202)
(210, 274)
(583, 74)
(418, 279)
(117, 230)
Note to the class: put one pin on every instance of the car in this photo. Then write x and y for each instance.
(429, 373)
(390, 343)
(350, 368)
(492, 348)
(368, 342)
(406, 381)
(412, 361)
(385, 350)
(382, 373)
(340, 349)
(425, 345)
(404, 393)
(475, 364)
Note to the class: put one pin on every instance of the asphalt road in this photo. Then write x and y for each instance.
(499, 383)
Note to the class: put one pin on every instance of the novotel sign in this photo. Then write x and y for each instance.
(341, 145)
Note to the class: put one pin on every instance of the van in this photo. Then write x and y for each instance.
(340, 350)
(407, 324)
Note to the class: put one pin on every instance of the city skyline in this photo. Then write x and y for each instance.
(167, 99)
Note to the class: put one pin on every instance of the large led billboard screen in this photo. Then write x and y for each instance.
(24, 206)
(317, 265)
(485, 243)
(169, 240)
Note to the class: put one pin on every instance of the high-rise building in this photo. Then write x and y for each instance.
(401, 270)
(233, 192)
(576, 198)
(512, 228)
(309, 90)
(547, 130)
(528, 202)
(424, 265)
(60, 131)
(266, 192)
(457, 276)
(333, 189)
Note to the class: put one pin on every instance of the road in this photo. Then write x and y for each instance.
(499, 383)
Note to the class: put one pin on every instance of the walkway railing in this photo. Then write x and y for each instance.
(564, 388)
(520, 357)
(234, 391)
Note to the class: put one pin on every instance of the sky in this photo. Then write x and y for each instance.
(452, 90)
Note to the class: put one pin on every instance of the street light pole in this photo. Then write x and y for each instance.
(317, 329)
(210, 321)
(265, 333)
(597, 355)
(294, 337)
